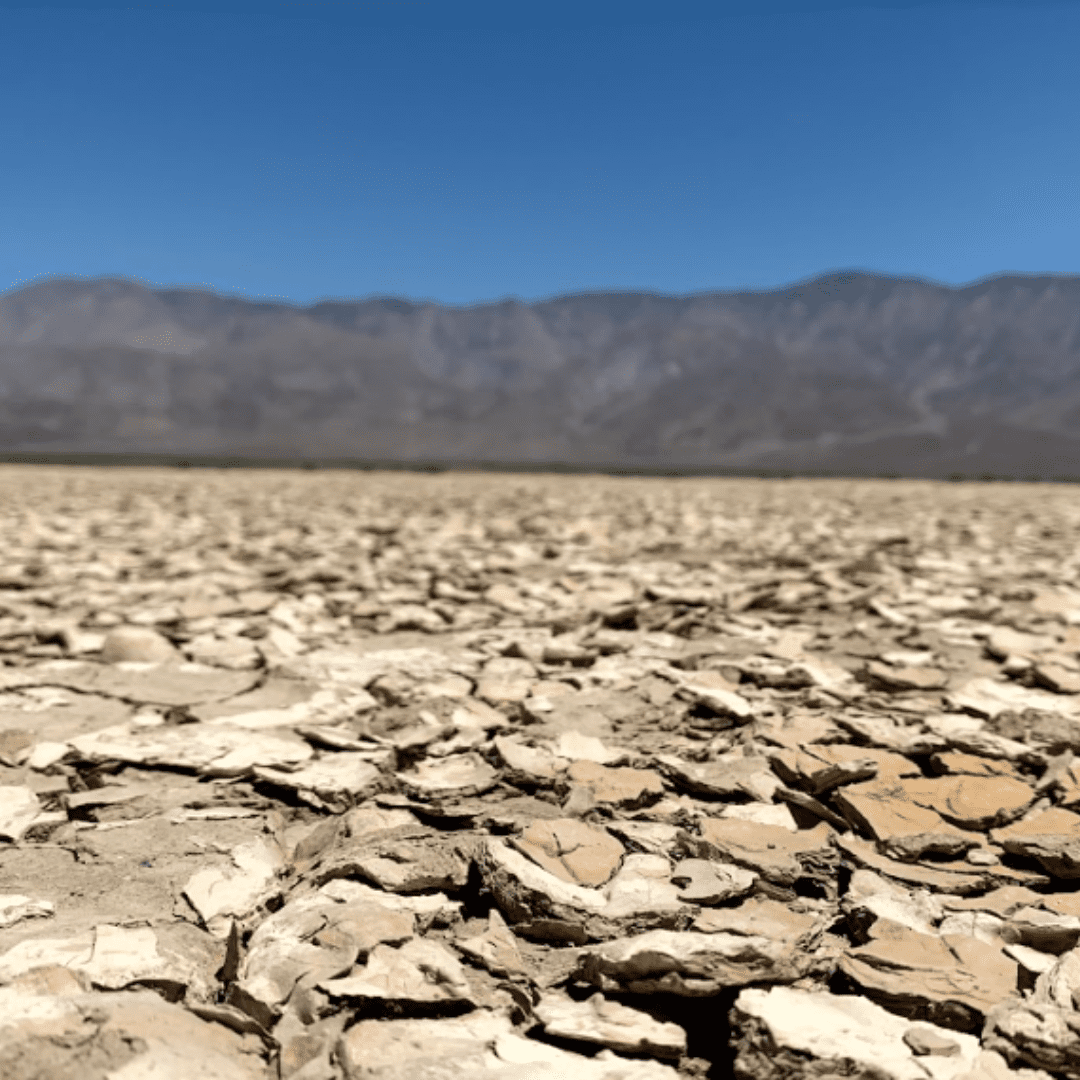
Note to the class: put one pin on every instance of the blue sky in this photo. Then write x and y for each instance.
(470, 151)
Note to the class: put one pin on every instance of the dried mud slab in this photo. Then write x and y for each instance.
(331, 776)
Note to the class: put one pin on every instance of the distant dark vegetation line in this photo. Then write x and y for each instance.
(180, 461)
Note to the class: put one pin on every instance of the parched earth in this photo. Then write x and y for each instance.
(466, 777)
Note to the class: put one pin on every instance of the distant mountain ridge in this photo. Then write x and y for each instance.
(849, 373)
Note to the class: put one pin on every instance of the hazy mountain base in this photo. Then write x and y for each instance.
(973, 452)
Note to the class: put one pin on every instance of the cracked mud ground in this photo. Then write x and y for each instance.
(352, 775)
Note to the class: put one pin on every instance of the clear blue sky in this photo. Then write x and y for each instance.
(470, 151)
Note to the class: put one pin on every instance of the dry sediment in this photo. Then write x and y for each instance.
(343, 775)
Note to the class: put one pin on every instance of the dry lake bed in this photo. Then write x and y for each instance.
(323, 775)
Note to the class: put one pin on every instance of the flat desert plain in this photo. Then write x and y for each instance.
(323, 775)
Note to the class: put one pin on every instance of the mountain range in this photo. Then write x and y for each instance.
(847, 374)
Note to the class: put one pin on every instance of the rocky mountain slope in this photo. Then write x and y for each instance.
(853, 373)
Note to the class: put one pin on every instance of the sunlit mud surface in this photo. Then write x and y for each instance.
(330, 775)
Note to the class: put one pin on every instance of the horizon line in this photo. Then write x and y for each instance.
(839, 273)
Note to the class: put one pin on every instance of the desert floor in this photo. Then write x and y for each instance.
(355, 775)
